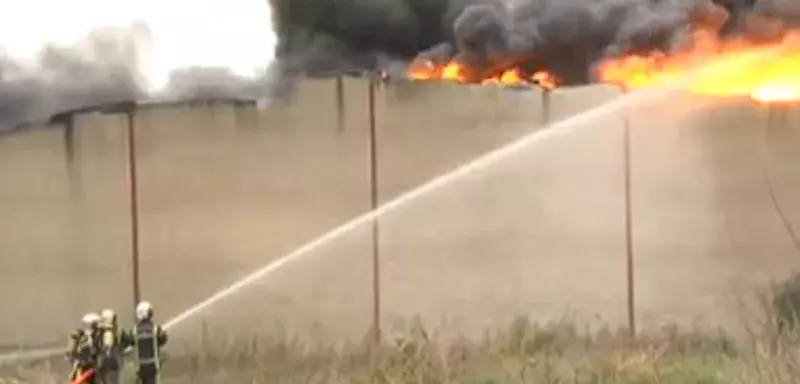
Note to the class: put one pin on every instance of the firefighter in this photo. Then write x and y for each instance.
(149, 338)
(96, 331)
(82, 348)
(113, 341)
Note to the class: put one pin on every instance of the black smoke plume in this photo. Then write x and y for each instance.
(566, 37)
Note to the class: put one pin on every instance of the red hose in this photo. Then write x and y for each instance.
(83, 377)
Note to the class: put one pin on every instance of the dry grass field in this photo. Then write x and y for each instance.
(521, 352)
(225, 190)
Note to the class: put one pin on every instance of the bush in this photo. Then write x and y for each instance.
(786, 303)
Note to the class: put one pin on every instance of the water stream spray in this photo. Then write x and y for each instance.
(561, 128)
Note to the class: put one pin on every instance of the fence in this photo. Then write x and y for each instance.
(223, 189)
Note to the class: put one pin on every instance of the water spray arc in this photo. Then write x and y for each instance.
(557, 129)
(536, 135)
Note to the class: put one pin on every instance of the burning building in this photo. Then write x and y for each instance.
(549, 42)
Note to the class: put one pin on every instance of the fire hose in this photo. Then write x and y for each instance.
(83, 377)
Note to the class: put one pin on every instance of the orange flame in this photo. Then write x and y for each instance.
(423, 70)
(545, 79)
(453, 71)
(764, 73)
(730, 68)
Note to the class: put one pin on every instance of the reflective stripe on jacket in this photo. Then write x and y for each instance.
(148, 339)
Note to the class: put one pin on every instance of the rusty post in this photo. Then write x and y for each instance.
(373, 166)
(340, 103)
(629, 266)
(133, 194)
(546, 106)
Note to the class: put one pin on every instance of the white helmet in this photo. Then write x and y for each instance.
(108, 316)
(144, 311)
(91, 319)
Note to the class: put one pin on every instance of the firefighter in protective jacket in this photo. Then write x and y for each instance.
(113, 341)
(82, 348)
(148, 338)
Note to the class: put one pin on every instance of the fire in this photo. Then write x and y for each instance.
(453, 71)
(766, 74)
(777, 93)
(545, 79)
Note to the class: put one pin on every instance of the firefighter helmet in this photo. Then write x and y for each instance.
(108, 317)
(91, 319)
(144, 311)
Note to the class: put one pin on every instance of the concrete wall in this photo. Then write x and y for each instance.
(225, 190)
(64, 228)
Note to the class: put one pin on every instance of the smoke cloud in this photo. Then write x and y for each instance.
(325, 37)
(566, 37)
(212, 82)
(104, 68)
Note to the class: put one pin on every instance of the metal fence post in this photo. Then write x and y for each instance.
(373, 166)
(546, 106)
(629, 265)
(133, 194)
(340, 103)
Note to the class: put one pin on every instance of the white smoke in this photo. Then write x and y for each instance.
(51, 50)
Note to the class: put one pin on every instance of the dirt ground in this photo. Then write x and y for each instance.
(226, 190)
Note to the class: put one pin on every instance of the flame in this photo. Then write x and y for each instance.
(765, 73)
(545, 79)
(777, 93)
(423, 70)
(730, 68)
(453, 71)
